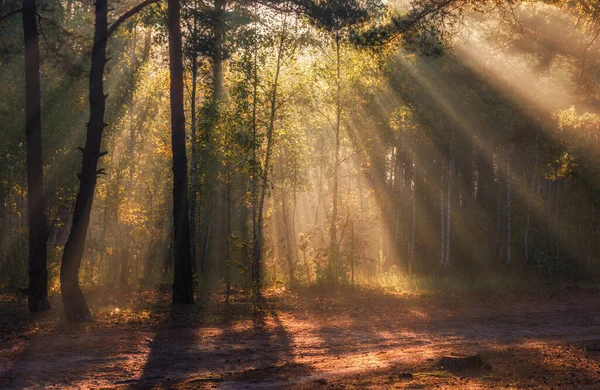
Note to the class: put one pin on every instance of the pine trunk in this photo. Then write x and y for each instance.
(76, 308)
(36, 214)
(183, 291)
(333, 252)
(258, 241)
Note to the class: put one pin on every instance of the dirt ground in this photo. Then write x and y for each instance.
(361, 339)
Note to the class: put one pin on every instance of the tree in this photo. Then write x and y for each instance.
(36, 213)
(76, 309)
(183, 289)
(337, 17)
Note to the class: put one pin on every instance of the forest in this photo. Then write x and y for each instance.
(299, 194)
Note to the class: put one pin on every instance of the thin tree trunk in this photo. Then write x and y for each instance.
(398, 191)
(449, 195)
(227, 242)
(295, 202)
(533, 193)
(509, 210)
(442, 217)
(288, 237)
(194, 152)
(212, 119)
(126, 264)
(257, 250)
(36, 214)
(76, 308)
(333, 250)
(413, 237)
(183, 291)
(255, 264)
(352, 254)
(556, 232)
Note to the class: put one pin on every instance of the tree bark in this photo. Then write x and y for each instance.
(194, 150)
(209, 210)
(442, 217)
(449, 198)
(76, 308)
(509, 208)
(333, 249)
(183, 291)
(194, 165)
(36, 214)
(258, 242)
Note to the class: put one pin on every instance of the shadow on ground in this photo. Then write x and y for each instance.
(366, 338)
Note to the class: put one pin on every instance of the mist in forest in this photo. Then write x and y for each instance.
(299, 193)
(469, 150)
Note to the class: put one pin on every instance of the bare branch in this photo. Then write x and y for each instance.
(6, 15)
(129, 14)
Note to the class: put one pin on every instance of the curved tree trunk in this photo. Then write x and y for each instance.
(183, 291)
(36, 215)
(76, 308)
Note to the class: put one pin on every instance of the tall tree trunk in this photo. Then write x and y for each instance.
(288, 235)
(255, 263)
(194, 165)
(75, 307)
(398, 204)
(449, 196)
(36, 214)
(194, 150)
(258, 242)
(533, 195)
(228, 239)
(442, 217)
(183, 289)
(509, 208)
(413, 237)
(126, 263)
(218, 54)
(333, 249)
(212, 119)
(294, 205)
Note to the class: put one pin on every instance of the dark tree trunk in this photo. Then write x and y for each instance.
(75, 307)
(183, 291)
(194, 152)
(36, 215)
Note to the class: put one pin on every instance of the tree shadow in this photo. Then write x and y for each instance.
(220, 343)
(45, 350)
(360, 339)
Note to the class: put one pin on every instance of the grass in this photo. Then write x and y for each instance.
(498, 284)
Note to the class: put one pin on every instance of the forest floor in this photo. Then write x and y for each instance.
(368, 338)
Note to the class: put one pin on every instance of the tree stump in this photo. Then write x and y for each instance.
(460, 362)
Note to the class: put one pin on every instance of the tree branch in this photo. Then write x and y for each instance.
(6, 15)
(129, 14)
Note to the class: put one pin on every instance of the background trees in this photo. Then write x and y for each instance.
(320, 150)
